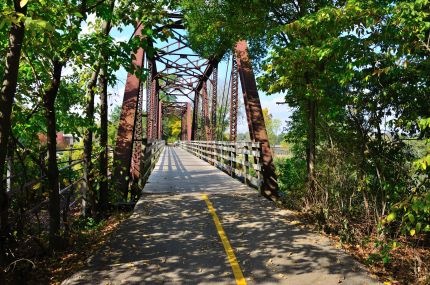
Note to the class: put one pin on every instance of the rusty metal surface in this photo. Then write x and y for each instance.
(214, 104)
(194, 127)
(183, 127)
(205, 112)
(137, 138)
(234, 100)
(124, 142)
(255, 118)
(153, 109)
(189, 122)
(160, 120)
(149, 90)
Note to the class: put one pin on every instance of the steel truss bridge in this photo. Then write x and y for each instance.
(175, 71)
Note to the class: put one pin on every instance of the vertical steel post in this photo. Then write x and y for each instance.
(137, 139)
(155, 111)
(214, 100)
(195, 117)
(189, 123)
(256, 120)
(183, 126)
(149, 90)
(233, 100)
(205, 112)
(160, 120)
(124, 142)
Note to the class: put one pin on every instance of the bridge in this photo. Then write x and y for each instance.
(178, 84)
(206, 208)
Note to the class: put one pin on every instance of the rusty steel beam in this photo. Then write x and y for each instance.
(124, 141)
(189, 122)
(155, 112)
(153, 107)
(183, 127)
(207, 73)
(195, 122)
(160, 119)
(137, 139)
(205, 112)
(234, 102)
(255, 118)
(214, 99)
(150, 90)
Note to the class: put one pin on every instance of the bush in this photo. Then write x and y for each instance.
(291, 180)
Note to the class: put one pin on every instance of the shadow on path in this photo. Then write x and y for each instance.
(171, 238)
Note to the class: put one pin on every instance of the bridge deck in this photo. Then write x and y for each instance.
(171, 238)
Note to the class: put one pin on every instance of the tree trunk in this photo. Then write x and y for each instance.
(103, 137)
(310, 150)
(88, 143)
(7, 94)
(54, 197)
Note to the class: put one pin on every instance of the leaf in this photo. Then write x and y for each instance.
(412, 232)
(418, 227)
(77, 14)
(391, 217)
(22, 3)
(411, 217)
(37, 186)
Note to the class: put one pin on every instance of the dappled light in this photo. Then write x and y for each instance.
(171, 238)
(215, 142)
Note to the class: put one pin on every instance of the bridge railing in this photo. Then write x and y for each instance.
(241, 160)
(150, 156)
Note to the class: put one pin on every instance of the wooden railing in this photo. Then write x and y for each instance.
(150, 155)
(241, 160)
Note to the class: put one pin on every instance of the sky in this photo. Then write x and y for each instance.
(278, 111)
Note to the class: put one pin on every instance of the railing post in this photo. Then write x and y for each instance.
(222, 154)
(215, 144)
(232, 150)
(245, 160)
(259, 161)
(213, 153)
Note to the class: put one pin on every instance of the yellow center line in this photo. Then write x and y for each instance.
(240, 280)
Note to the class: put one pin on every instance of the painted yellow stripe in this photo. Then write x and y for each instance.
(240, 280)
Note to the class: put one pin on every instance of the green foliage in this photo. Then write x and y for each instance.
(272, 126)
(172, 129)
(291, 180)
(88, 224)
(113, 124)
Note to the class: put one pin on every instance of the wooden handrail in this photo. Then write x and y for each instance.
(241, 160)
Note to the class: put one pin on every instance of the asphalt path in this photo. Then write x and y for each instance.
(195, 224)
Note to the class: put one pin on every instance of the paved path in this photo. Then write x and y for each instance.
(171, 238)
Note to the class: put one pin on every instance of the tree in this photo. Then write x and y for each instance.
(7, 94)
(272, 126)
